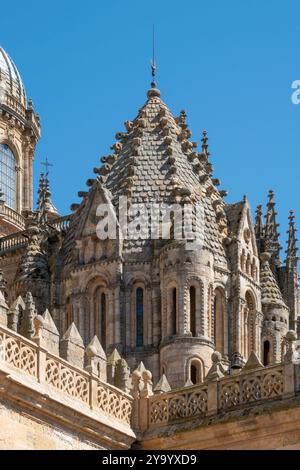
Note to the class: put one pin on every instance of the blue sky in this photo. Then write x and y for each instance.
(229, 64)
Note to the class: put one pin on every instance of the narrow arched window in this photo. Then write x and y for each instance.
(193, 310)
(250, 325)
(267, 353)
(139, 316)
(195, 372)
(174, 311)
(8, 175)
(103, 320)
(248, 265)
(100, 314)
(220, 320)
(69, 311)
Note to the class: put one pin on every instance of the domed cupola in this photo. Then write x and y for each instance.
(19, 133)
(12, 91)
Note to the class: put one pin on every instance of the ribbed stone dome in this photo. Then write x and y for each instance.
(12, 91)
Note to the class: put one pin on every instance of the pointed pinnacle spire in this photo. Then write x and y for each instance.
(292, 240)
(153, 63)
(272, 244)
(258, 221)
(153, 92)
(45, 205)
(204, 141)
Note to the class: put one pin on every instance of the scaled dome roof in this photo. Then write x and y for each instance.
(12, 90)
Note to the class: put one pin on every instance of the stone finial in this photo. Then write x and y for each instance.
(162, 385)
(14, 313)
(38, 338)
(111, 365)
(236, 361)
(72, 347)
(122, 376)
(50, 333)
(27, 324)
(141, 367)
(253, 362)
(96, 359)
(292, 249)
(114, 357)
(216, 371)
(188, 383)
(136, 378)
(147, 384)
(291, 354)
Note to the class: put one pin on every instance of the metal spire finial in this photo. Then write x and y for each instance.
(153, 63)
(46, 165)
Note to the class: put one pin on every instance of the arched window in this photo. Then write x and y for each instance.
(195, 372)
(100, 314)
(69, 313)
(174, 311)
(139, 311)
(220, 320)
(193, 310)
(248, 265)
(210, 314)
(103, 320)
(253, 270)
(267, 353)
(242, 261)
(249, 327)
(8, 175)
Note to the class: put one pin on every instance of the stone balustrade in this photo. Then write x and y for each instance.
(32, 359)
(14, 103)
(62, 223)
(13, 216)
(224, 394)
(13, 241)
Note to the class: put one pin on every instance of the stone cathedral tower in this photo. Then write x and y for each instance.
(19, 133)
(162, 301)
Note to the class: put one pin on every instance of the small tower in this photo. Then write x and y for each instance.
(291, 287)
(275, 311)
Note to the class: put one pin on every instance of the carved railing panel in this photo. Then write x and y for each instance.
(171, 407)
(251, 387)
(67, 379)
(22, 354)
(114, 403)
(18, 354)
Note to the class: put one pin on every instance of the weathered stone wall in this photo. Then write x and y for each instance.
(22, 430)
(273, 430)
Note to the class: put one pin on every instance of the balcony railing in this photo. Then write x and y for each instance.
(26, 357)
(13, 216)
(62, 223)
(210, 398)
(13, 241)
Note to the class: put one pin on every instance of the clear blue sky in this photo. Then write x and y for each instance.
(229, 64)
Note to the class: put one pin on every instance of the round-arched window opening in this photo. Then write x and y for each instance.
(8, 175)
(267, 353)
(195, 372)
